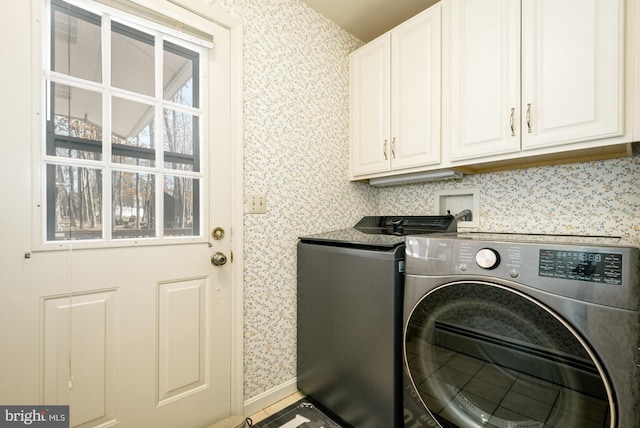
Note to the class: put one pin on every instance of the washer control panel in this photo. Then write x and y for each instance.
(590, 266)
(601, 267)
(603, 274)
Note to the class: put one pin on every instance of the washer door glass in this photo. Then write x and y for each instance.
(483, 355)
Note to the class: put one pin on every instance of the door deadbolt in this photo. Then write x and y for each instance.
(218, 259)
(217, 233)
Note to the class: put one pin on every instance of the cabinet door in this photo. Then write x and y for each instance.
(573, 58)
(415, 91)
(484, 43)
(369, 107)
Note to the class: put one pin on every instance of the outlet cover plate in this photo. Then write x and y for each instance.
(257, 203)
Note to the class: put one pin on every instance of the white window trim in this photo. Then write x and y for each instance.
(42, 52)
(146, 14)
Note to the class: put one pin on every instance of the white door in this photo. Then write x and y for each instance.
(483, 81)
(130, 323)
(572, 71)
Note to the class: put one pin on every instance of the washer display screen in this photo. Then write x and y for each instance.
(604, 268)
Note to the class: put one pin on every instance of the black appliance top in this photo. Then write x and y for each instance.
(406, 225)
(383, 232)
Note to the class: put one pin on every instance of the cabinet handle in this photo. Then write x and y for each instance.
(513, 131)
(384, 150)
(393, 147)
(529, 118)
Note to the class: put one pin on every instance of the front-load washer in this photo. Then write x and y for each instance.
(522, 331)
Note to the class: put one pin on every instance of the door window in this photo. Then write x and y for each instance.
(122, 158)
(483, 355)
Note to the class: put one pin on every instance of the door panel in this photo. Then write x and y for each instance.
(182, 331)
(81, 325)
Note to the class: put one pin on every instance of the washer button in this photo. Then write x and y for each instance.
(463, 267)
(514, 273)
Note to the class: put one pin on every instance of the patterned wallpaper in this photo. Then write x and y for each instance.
(296, 152)
(296, 130)
(586, 198)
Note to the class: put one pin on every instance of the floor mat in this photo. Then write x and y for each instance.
(302, 414)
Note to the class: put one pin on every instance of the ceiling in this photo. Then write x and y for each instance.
(367, 19)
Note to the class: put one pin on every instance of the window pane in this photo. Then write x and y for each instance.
(132, 60)
(76, 194)
(133, 205)
(137, 129)
(77, 123)
(75, 33)
(180, 66)
(180, 141)
(132, 133)
(180, 206)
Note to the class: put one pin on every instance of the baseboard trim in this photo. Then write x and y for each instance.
(270, 397)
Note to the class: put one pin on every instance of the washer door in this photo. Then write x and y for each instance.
(483, 355)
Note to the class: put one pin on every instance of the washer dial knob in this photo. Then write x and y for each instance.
(488, 258)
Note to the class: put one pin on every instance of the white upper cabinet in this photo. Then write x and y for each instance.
(370, 106)
(571, 80)
(395, 99)
(484, 74)
(415, 91)
(483, 85)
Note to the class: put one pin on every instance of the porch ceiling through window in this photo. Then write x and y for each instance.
(177, 70)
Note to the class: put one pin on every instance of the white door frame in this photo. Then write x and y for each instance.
(237, 193)
(237, 216)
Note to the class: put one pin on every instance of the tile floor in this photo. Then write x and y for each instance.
(276, 407)
(498, 395)
(262, 414)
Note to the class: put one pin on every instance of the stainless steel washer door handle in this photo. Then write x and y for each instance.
(218, 259)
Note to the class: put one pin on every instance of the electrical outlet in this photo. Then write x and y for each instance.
(257, 203)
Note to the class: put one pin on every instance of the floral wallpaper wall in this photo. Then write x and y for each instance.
(296, 89)
(296, 133)
(586, 198)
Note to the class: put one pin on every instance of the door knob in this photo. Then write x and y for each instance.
(218, 259)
